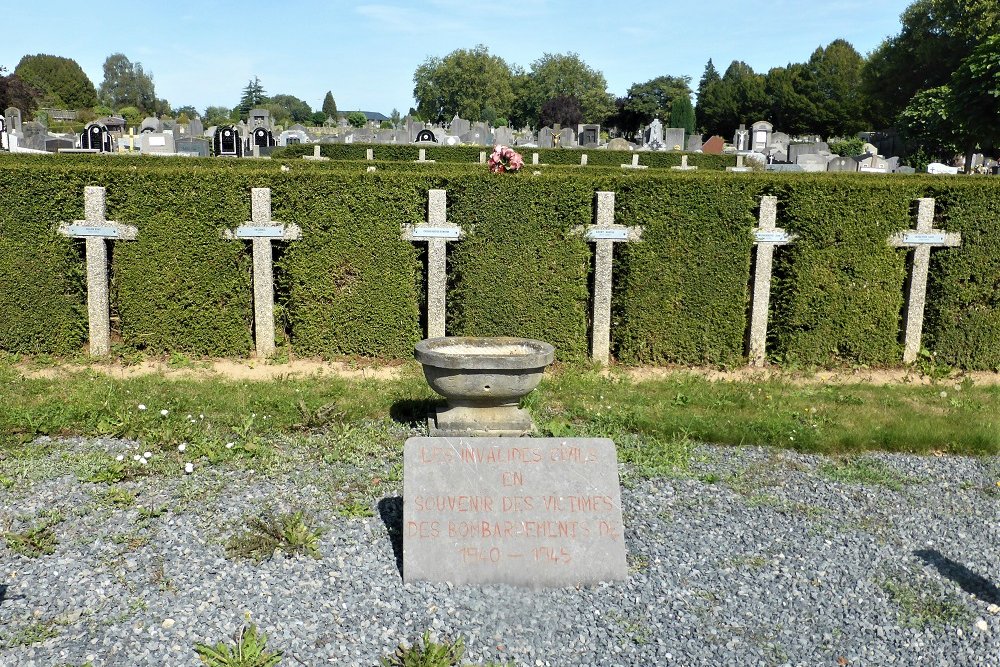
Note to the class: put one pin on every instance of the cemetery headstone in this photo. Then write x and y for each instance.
(652, 136)
(157, 143)
(422, 156)
(194, 146)
(842, 164)
(939, 168)
(873, 164)
(95, 136)
(150, 124)
(694, 143)
(97, 230)
(785, 168)
(741, 138)
(227, 142)
(740, 166)
(520, 511)
(811, 162)
(436, 233)
(635, 163)
(905, 170)
(714, 145)
(545, 137)
(459, 126)
(619, 144)
(196, 128)
(761, 136)
(291, 137)
(13, 116)
(4, 141)
(567, 137)
(921, 240)
(503, 136)
(33, 136)
(425, 135)
(673, 138)
(261, 230)
(316, 155)
(588, 134)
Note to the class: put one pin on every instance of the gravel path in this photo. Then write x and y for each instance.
(749, 557)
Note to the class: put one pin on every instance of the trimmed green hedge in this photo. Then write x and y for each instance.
(352, 286)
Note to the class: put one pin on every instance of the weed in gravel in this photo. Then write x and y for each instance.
(35, 633)
(115, 496)
(426, 653)
(249, 650)
(292, 533)
(36, 540)
(866, 471)
(926, 607)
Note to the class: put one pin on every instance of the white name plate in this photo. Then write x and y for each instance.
(96, 231)
(607, 234)
(771, 236)
(436, 232)
(259, 232)
(924, 238)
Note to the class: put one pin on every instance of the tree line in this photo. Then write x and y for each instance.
(936, 83)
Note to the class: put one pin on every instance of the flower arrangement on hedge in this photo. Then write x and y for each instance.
(505, 159)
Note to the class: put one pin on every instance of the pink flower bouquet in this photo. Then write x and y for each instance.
(505, 159)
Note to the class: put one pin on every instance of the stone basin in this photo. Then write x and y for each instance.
(483, 380)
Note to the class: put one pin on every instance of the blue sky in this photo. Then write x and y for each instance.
(203, 53)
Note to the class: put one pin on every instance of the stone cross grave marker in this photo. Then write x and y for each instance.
(369, 154)
(740, 167)
(521, 511)
(482, 157)
(97, 230)
(605, 233)
(316, 155)
(422, 156)
(261, 230)
(921, 240)
(635, 163)
(583, 159)
(684, 165)
(436, 233)
(766, 237)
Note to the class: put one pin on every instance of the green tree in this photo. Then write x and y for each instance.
(318, 118)
(132, 115)
(975, 97)
(936, 36)
(792, 105)
(356, 119)
(834, 78)
(655, 98)
(217, 116)
(465, 82)
(927, 123)
(555, 75)
(252, 98)
(713, 102)
(126, 84)
(61, 81)
(329, 105)
(394, 117)
(682, 114)
(186, 109)
(292, 107)
(749, 101)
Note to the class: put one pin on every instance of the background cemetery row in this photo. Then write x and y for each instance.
(352, 285)
(260, 137)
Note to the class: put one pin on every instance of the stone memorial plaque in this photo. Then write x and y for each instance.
(259, 232)
(436, 232)
(919, 238)
(523, 511)
(770, 236)
(613, 234)
(96, 231)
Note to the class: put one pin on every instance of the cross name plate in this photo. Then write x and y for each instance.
(259, 232)
(96, 231)
(522, 511)
(607, 234)
(920, 238)
(771, 236)
(436, 232)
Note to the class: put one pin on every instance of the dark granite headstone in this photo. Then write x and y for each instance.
(522, 511)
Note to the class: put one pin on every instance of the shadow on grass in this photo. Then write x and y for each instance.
(414, 412)
(391, 511)
(971, 583)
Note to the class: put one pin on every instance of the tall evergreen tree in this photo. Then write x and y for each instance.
(682, 114)
(329, 106)
(253, 97)
(708, 110)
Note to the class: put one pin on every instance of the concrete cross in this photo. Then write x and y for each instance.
(436, 232)
(635, 163)
(369, 154)
(583, 159)
(316, 155)
(766, 237)
(684, 165)
(97, 230)
(261, 230)
(605, 233)
(921, 240)
(422, 156)
(740, 167)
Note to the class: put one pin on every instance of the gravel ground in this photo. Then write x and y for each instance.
(750, 556)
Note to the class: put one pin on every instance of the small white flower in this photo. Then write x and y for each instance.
(201, 416)
(229, 445)
(143, 461)
(190, 417)
(943, 394)
(137, 458)
(120, 457)
(142, 407)
(147, 455)
(189, 468)
(181, 447)
(164, 413)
